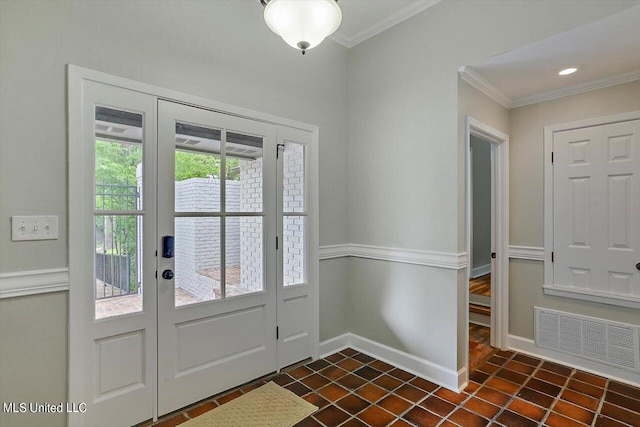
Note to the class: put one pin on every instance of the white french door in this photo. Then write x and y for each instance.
(190, 260)
(217, 315)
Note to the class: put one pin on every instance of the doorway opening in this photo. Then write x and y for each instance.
(487, 228)
(480, 347)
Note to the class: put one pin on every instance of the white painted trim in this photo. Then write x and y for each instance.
(526, 252)
(528, 346)
(499, 226)
(334, 251)
(480, 271)
(479, 82)
(549, 286)
(380, 26)
(334, 345)
(33, 282)
(453, 380)
(480, 319)
(448, 260)
(576, 89)
(611, 298)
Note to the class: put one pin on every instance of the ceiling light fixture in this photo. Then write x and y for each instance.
(302, 24)
(568, 71)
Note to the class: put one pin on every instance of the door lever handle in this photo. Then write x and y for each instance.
(167, 274)
(638, 266)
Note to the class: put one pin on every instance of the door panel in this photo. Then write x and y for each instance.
(295, 341)
(217, 317)
(596, 193)
(112, 264)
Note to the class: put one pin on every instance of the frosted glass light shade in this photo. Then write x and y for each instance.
(303, 24)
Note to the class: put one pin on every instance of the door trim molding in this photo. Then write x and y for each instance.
(447, 260)
(500, 225)
(455, 381)
(22, 283)
(549, 132)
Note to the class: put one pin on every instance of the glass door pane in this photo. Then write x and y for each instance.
(294, 214)
(118, 173)
(198, 224)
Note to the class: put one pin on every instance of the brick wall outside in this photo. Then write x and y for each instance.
(293, 226)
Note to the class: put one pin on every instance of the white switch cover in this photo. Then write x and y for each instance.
(34, 227)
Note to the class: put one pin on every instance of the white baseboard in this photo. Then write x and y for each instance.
(445, 377)
(480, 271)
(528, 346)
(480, 319)
(333, 345)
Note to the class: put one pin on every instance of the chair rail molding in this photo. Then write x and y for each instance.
(447, 260)
(21, 283)
(526, 252)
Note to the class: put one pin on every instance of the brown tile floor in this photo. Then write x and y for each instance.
(511, 389)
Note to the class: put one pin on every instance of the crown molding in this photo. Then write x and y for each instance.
(579, 88)
(380, 26)
(478, 82)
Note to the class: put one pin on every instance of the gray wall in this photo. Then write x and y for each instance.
(481, 195)
(527, 195)
(403, 112)
(392, 100)
(33, 355)
(220, 50)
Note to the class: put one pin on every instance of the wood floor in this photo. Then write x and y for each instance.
(481, 285)
(479, 346)
(479, 336)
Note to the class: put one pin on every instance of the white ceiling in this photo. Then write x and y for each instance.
(362, 19)
(605, 52)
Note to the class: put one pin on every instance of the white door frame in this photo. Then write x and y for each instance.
(500, 226)
(75, 77)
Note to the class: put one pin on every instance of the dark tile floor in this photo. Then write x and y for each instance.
(510, 389)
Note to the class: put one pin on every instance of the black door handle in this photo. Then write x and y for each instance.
(638, 266)
(167, 274)
(493, 254)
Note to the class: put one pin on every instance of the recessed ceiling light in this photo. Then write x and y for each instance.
(568, 71)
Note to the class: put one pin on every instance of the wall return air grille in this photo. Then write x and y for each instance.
(611, 343)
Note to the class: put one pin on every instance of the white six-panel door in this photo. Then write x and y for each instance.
(597, 208)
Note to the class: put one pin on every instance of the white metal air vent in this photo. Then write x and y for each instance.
(612, 343)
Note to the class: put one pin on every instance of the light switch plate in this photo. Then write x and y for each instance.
(34, 227)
